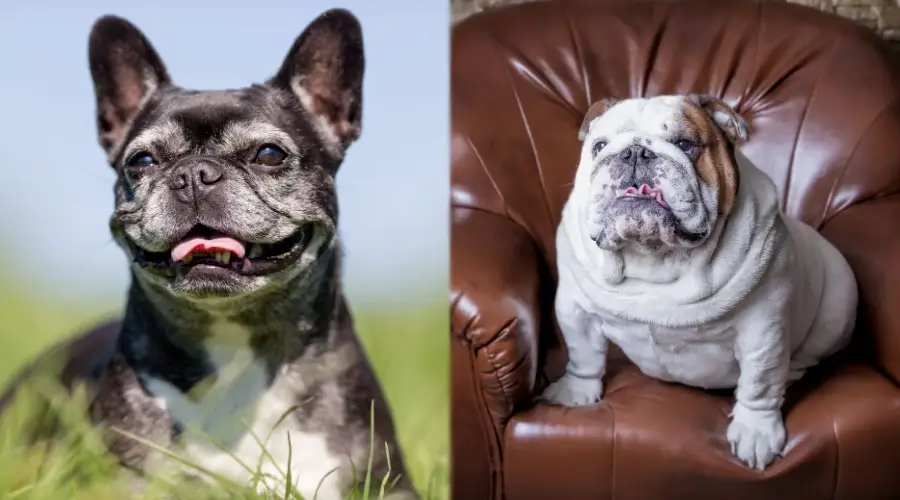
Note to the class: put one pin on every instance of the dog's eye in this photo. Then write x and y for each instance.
(599, 145)
(141, 160)
(685, 145)
(270, 155)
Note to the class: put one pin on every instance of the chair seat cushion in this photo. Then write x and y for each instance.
(653, 440)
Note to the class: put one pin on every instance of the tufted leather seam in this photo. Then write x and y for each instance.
(812, 95)
(615, 440)
(471, 320)
(497, 424)
(579, 56)
(755, 71)
(487, 172)
(505, 329)
(825, 217)
(527, 127)
(493, 431)
(652, 56)
(454, 302)
(837, 450)
(490, 356)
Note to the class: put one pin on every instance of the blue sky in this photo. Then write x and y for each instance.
(56, 190)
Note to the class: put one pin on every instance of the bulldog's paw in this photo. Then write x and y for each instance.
(756, 436)
(574, 391)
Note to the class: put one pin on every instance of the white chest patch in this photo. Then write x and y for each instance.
(701, 356)
(226, 419)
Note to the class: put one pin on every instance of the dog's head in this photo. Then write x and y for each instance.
(658, 173)
(224, 193)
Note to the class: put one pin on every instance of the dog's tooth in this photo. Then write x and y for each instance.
(219, 257)
(226, 257)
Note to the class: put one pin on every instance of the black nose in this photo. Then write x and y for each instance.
(194, 179)
(636, 152)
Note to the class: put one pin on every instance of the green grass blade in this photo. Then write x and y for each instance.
(367, 486)
(288, 483)
(384, 482)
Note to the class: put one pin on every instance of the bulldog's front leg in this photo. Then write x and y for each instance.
(756, 432)
(582, 383)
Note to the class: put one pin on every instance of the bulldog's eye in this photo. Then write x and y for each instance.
(685, 145)
(598, 146)
(270, 155)
(141, 160)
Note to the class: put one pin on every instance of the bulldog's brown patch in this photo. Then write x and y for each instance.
(716, 164)
(596, 109)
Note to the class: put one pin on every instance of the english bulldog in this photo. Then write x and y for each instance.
(672, 246)
(237, 350)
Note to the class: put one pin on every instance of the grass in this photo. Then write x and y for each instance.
(408, 348)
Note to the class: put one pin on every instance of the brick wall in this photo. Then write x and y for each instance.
(881, 15)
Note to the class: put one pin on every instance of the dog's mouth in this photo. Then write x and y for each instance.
(205, 249)
(644, 192)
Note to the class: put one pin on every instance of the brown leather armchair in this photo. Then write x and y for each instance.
(821, 96)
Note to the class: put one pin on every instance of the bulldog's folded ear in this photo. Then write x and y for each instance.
(727, 119)
(596, 109)
(126, 70)
(324, 69)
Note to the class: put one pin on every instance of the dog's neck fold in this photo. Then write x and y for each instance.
(686, 287)
(169, 337)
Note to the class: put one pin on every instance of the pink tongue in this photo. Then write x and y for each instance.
(225, 244)
(646, 190)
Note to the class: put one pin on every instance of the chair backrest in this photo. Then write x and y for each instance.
(819, 93)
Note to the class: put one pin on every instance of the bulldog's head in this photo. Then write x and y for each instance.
(223, 193)
(658, 173)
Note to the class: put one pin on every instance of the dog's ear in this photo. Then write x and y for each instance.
(324, 69)
(724, 116)
(596, 109)
(126, 70)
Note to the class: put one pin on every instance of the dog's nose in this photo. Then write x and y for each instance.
(636, 152)
(194, 179)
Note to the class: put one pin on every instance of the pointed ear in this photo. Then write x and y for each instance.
(724, 116)
(126, 70)
(324, 69)
(596, 109)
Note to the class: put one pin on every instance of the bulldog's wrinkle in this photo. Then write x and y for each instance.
(240, 136)
(167, 138)
(265, 196)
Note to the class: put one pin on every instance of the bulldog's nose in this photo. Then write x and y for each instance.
(194, 179)
(636, 152)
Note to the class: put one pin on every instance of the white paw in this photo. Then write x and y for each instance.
(756, 436)
(574, 391)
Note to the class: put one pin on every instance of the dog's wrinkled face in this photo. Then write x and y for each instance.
(660, 171)
(225, 193)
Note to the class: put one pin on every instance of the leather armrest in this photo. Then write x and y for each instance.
(495, 279)
(868, 234)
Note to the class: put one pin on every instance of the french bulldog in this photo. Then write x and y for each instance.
(237, 350)
(672, 246)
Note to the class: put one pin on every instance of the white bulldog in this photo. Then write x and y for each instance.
(673, 247)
